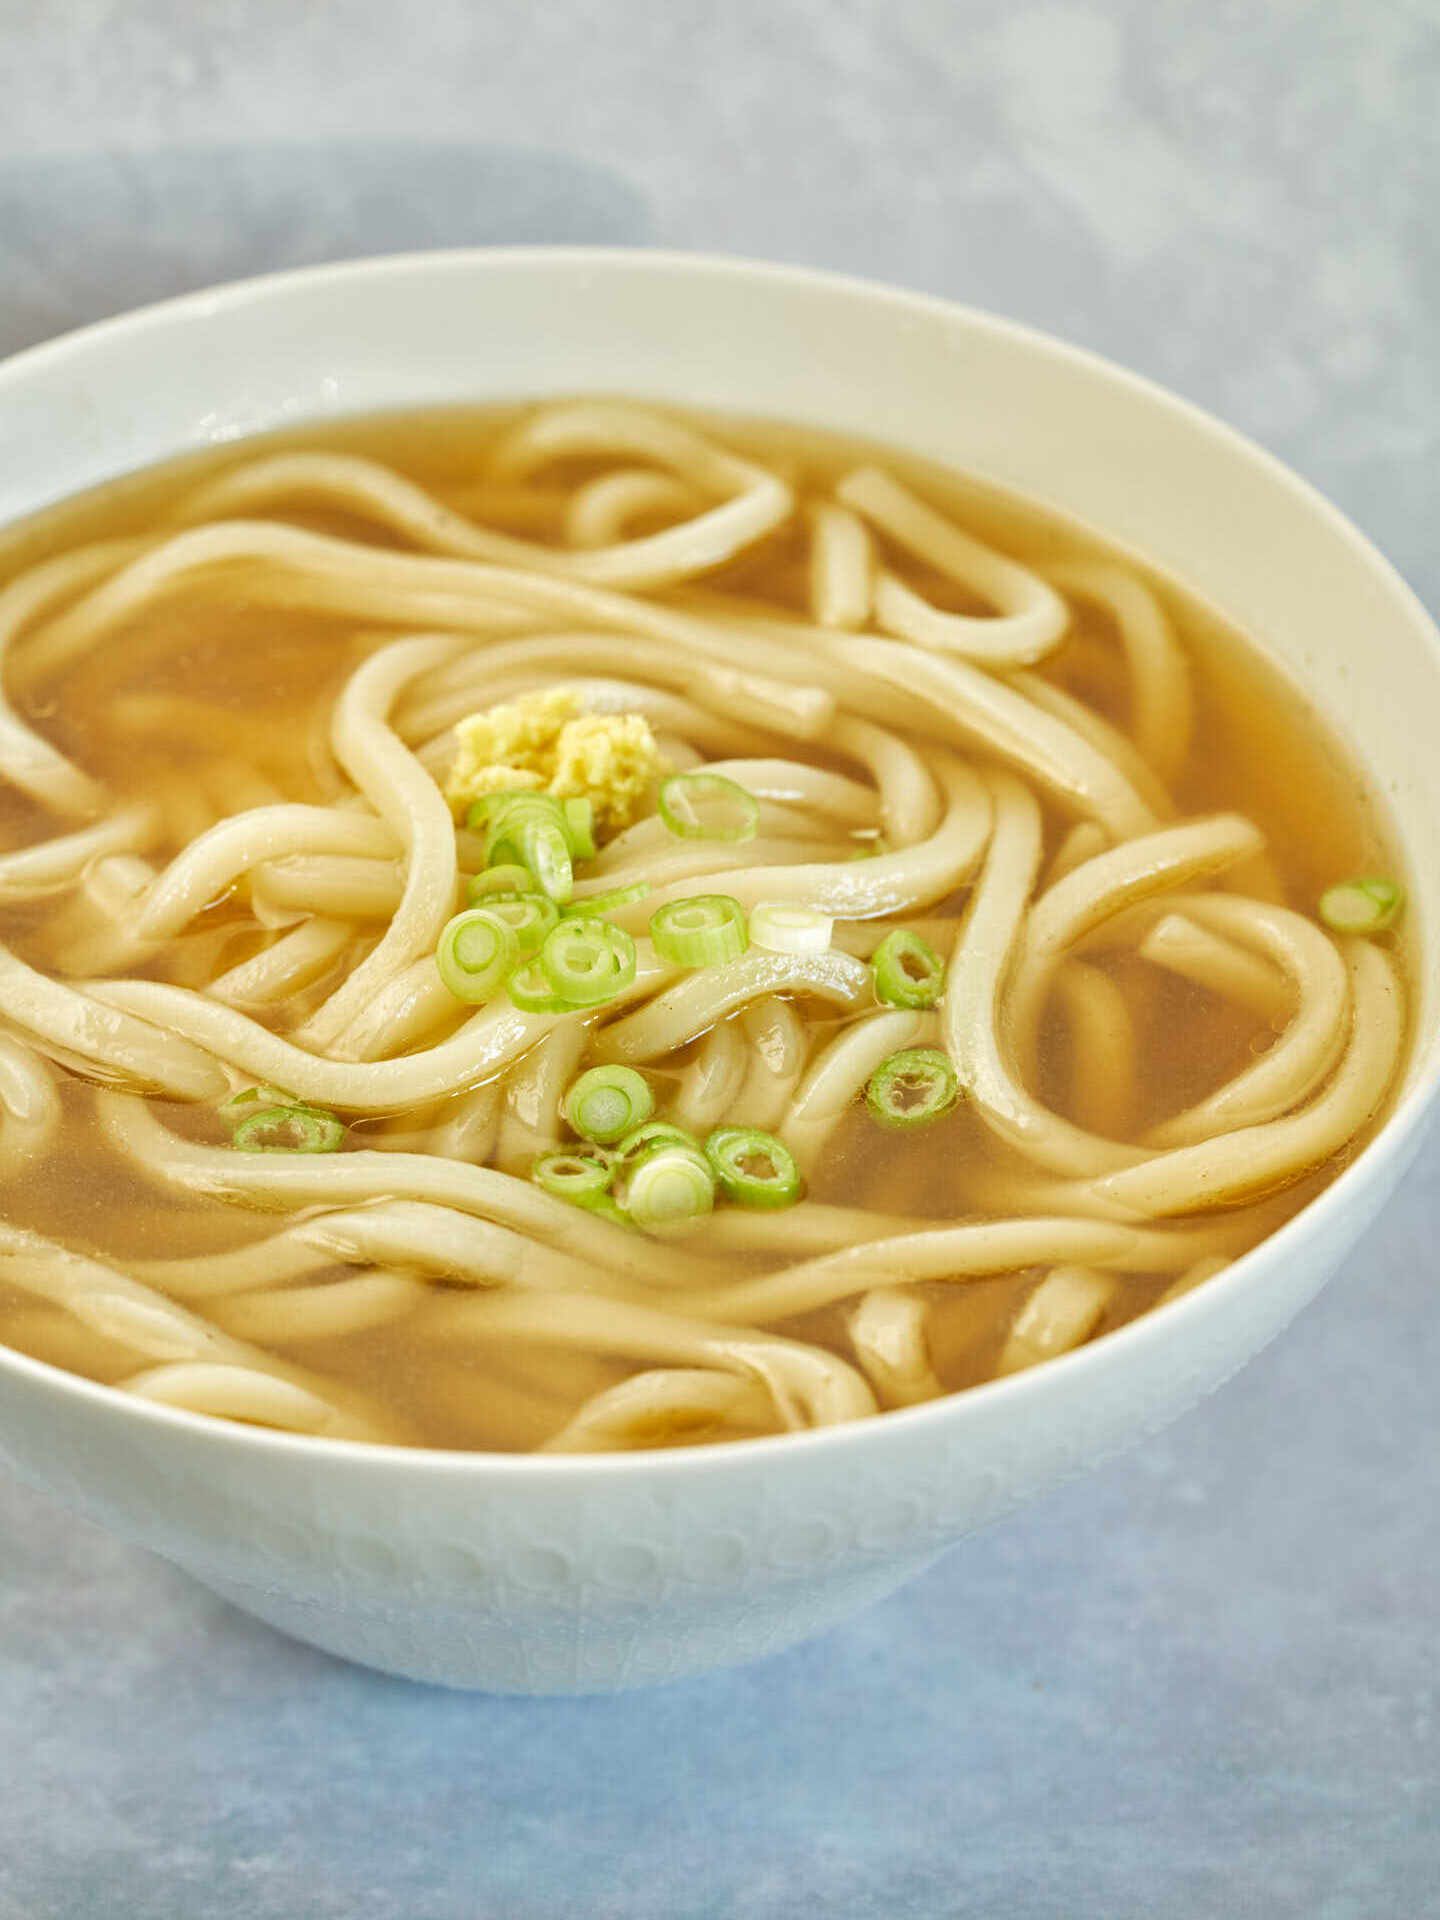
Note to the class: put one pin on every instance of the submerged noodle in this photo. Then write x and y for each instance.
(226, 856)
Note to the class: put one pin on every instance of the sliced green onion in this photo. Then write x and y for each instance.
(487, 810)
(1368, 904)
(544, 849)
(753, 1167)
(784, 929)
(908, 971)
(509, 878)
(912, 1087)
(668, 1188)
(250, 1097)
(289, 1130)
(700, 931)
(530, 829)
(477, 949)
(587, 960)
(580, 1178)
(707, 806)
(531, 990)
(655, 1133)
(529, 916)
(580, 826)
(607, 1102)
(610, 901)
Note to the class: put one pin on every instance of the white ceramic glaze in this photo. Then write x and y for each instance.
(556, 1575)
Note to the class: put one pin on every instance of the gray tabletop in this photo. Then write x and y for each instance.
(1201, 1682)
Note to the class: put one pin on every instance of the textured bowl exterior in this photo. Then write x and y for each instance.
(551, 1575)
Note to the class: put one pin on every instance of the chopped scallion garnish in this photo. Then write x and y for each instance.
(1368, 904)
(668, 1188)
(580, 827)
(701, 931)
(509, 878)
(587, 961)
(610, 901)
(912, 1087)
(753, 1167)
(785, 929)
(908, 971)
(581, 1178)
(707, 806)
(531, 990)
(289, 1130)
(655, 1133)
(529, 916)
(477, 949)
(607, 1102)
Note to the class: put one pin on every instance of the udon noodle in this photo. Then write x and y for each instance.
(999, 804)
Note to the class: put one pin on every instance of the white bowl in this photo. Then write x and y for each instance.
(556, 1575)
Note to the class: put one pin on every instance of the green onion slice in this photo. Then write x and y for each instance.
(477, 949)
(529, 916)
(912, 1087)
(753, 1167)
(531, 990)
(908, 971)
(1368, 904)
(785, 929)
(668, 1188)
(486, 812)
(587, 961)
(250, 1098)
(607, 1102)
(289, 1130)
(655, 1133)
(580, 1178)
(580, 826)
(509, 878)
(610, 901)
(707, 806)
(700, 931)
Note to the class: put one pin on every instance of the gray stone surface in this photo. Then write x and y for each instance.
(1201, 1682)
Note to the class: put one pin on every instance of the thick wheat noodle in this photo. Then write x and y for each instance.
(1202, 1270)
(909, 800)
(294, 961)
(798, 1232)
(30, 1111)
(31, 872)
(688, 1009)
(711, 1080)
(1096, 891)
(887, 1330)
(1060, 1314)
(1161, 703)
(975, 1251)
(882, 885)
(1032, 617)
(427, 1238)
(283, 1183)
(1305, 1053)
(842, 566)
(211, 864)
(1180, 945)
(28, 760)
(469, 1124)
(329, 1310)
(862, 937)
(779, 828)
(836, 1077)
(410, 1011)
(659, 1405)
(232, 1391)
(793, 783)
(1107, 740)
(259, 1263)
(1083, 841)
(121, 1308)
(776, 1043)
(404, 795)
(598, 513)
(530, 1122)
(1102, 1049)
(674, 862)
(91, 933)
(810, 1387)
(108, 1039)
(1251, 1159)
(336, 886)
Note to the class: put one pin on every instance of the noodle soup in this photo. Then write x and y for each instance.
(579, 928)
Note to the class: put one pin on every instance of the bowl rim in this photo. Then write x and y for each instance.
(1389, 1147)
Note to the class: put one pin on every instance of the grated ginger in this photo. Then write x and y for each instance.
(545, 742)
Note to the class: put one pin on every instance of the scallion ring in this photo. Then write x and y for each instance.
(608, 902)
(529, 916)
(912, 1087)
(1368, 904)
(707, 806)
(289, 1130)
(580, 1178)
(908, 971)
(531, 990)
(668, 1188)
(753, 1167)
(654, 1133)
(580, 826)
(786, 929)
(700, 931)
(508, 878)
(587, 961)
(476, 950)
(608, 1102)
